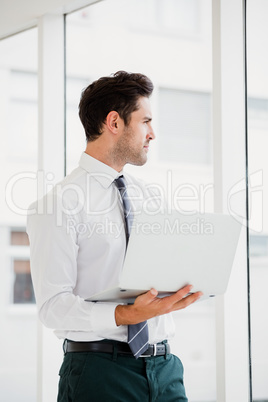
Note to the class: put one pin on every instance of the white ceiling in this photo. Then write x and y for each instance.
(17, 15)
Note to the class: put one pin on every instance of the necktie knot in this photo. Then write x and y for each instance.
(120, 183)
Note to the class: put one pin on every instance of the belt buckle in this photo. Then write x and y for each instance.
(154, 351)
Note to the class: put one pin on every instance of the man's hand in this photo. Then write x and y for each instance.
(149, 305)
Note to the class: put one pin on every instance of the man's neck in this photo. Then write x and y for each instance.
(102, 153)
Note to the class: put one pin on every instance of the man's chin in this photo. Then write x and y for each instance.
(138, 162)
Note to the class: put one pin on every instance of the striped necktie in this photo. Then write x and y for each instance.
(137, 333)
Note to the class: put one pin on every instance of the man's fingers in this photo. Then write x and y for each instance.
(186, 301)
(149, 303)
(147, 297)
(181, 299)
(180, 294)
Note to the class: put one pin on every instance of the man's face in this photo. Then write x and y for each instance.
(133, 144)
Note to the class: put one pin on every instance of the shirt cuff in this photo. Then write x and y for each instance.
(103, 317)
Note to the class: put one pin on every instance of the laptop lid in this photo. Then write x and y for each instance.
(169, 250)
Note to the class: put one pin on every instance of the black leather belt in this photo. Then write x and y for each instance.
(158, 349)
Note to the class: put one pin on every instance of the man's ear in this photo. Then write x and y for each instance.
(112, 121)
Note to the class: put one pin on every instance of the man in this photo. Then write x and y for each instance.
(78, 243)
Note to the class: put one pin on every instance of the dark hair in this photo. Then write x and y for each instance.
(119, 92)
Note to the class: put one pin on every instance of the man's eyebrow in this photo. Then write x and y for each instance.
(148, 118)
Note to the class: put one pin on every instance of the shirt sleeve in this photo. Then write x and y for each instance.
(53, 255)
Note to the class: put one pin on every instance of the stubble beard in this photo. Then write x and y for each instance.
(126, 152)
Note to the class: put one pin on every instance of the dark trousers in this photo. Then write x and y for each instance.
(103, 377)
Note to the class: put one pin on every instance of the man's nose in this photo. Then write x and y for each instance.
(151, 134)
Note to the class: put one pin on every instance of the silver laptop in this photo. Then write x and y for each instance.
(170, 250)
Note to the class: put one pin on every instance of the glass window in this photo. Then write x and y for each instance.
(165, 40)
(257, 41)
(184, 126)
(258, 246)
(22, 105)
(23, 289)
(74, 129)
(18, 164)
(170, 17)
(18, 238)
(258, 113)
(22, 282)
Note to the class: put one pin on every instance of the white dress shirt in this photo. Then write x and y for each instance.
(77, 245)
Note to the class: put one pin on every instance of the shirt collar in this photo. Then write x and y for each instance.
(103, 173)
